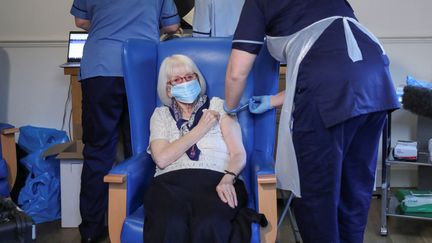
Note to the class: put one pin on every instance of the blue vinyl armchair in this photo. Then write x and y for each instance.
(128, 180)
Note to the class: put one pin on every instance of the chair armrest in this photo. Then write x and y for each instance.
(127, 182)
(267, 205)
(8, 150)
(8, 131)
(266, 197)
(117, 194)
(138, 171)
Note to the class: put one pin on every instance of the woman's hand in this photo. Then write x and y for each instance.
(164, 152)
(208, 119)
(226, 190)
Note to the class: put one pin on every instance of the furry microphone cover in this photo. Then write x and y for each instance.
(418, 100)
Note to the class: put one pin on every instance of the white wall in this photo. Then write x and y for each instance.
(33, 88)
(395, 18)
(33, 37)
(42, 20)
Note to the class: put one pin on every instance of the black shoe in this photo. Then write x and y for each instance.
(89, 240)
(97, 239)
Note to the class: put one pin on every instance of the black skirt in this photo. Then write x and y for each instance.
(183, 206)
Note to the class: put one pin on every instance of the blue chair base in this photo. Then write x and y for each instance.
(133, 227)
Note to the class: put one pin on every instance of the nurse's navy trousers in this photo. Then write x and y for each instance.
(337, 170)
(104, 117)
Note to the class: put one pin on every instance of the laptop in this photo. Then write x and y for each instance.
(76, 43)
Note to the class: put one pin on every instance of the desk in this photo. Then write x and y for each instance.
(76, 102)
(71, 158)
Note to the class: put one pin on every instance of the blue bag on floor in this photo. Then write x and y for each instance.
(40, 197)
(418, 83)
(37, 139)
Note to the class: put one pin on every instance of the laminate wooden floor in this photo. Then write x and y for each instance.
(400, 230)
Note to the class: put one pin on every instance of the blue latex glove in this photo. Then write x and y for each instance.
(260, 104)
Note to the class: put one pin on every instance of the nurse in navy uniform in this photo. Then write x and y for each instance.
(338, 92)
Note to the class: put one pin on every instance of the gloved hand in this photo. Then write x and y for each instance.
(260, 104)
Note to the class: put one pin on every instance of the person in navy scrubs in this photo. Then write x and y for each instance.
(104, 104)
(337, 95)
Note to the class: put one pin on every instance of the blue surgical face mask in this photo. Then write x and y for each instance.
(186, 92)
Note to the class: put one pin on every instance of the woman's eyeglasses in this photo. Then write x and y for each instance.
(181, 79)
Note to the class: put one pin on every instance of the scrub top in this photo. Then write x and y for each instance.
(340, 88)
(112, 22)
(335, 66)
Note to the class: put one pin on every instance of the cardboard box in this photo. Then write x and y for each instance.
(70, 150)
(406, 150)
(71, 162)
(70, 186)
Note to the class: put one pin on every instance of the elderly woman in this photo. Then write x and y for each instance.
(198, 151)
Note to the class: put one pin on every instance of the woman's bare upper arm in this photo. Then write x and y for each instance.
(231, 133)
(158, 145)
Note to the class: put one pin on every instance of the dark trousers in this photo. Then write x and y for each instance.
(183, 207)
(104, 117)
(337, 170)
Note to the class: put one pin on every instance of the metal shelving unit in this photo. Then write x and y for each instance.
(389, 203)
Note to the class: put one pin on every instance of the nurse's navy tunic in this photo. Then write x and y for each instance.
(334, 64)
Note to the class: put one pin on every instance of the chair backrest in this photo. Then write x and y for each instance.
(141, 61)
